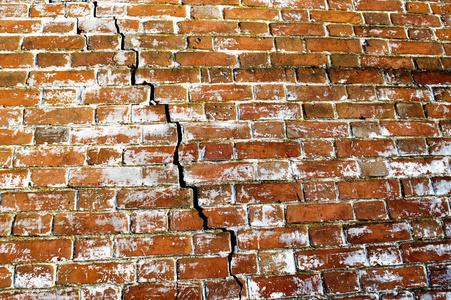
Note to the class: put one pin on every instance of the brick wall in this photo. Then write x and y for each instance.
(225, 149)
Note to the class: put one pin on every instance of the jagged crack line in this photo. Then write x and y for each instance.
(199, 209)
(136, 65)
(233, 245)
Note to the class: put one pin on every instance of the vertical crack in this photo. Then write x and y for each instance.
(197, 207)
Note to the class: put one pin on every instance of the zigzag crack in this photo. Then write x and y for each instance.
(199, 209)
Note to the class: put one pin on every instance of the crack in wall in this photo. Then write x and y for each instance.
(176, 159)
(197, 207)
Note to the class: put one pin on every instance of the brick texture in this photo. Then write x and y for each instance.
(225, 149)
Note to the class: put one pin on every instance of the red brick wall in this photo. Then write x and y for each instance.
(218, 149)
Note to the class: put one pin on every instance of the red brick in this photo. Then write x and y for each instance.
(365, 111)
(257, 239)
(89, 223)
(16, 60)
(244, 43)
(392, 279)
(317, 148)
(331, 259)
(203, 268)
(185, 220)
(268, 192)
(227, 288)
(329, 235)
(285, 286)
(381, 32)
(370, 210)
(35, 250)
(106, 135)
(96, 199)
(251, 13)
(148, 155)
(244, 263)
(16, 97)
(318, 93)
(149, 221)
(6, 277)
(221, 93)
(376, 233)
(266, 129)
(220, 217)
(69, 42)
(320, 212)
(59, 116)
(10, 179)
(347, 17)
(49, 156)
(265, 75)
(409, 128)
(36, 201)
(13, 78)
(333, 45)
(104, 156)
(211, 242)
(292, 59)
(311, 129)
(432, 77)
(209, 131)
(355, 76)
(267, 150)
(205, 59)
(183, 290)
(92, 248)
(426, 251)
(47, 10)
(254, 28)
(383, 255)
(59, 26)
(153, 198)
(420, 207)
(156, 10)
(48, 177)
(341, 282)
(153, 245)
(167, 75)
(105, 177)
(207, 27)
(266, 215)
(110, 272)
(297, 29)
(215, 194)
(155, 42)
(13, 10)
(102, 42)
(427, 229)
(216, 151)
(5, 225)
(325, 169)
(10, 116)
(347, 148)
(34, 276)
(32, 225)
(78, 9)
(91, 293)
(439, 274)
(156, 270)
(423, 48)
(61, 78)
